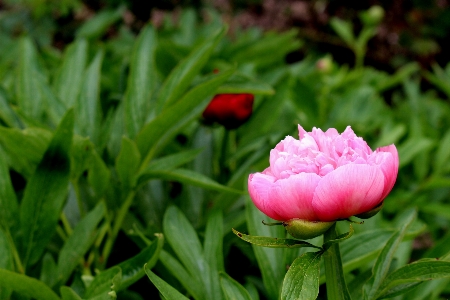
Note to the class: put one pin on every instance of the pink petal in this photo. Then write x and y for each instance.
(292, 197)
(259, 186)
(389, 166)
(349, 190)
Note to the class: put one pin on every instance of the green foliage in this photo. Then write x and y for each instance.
(102, 146)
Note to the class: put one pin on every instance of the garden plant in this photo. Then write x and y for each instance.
(189, 160)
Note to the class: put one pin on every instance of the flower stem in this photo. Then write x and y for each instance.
(335, 283)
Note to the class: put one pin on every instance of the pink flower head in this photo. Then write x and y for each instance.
(323, 176)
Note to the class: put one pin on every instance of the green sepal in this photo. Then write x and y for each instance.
(305, 230)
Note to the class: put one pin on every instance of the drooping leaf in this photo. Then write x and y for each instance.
(271, 242)
(46, 192)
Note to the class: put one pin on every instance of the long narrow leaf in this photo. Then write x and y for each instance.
(46, 193)
(160, 130)
(79, 242)
(183, 74)
(232, 289)
(141, 81)
(383, 262)
(163, 287)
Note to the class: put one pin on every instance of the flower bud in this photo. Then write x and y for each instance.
(229, 110)
(305, 230)
(373, 16)
(325, 65)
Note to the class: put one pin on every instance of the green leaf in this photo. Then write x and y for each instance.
(160, 130)
(184, 241)
(442, 156)
(6, 262)
(98, 175)
(163, 287)
(339, 238)
(232, 289)
(271, 242)
(80, 156)
(24, 148)
(302, 278)
(170, 162)
(101, 285)
(26, 286)
(69, 78)
(132, 269)
(87, 108)
(383, 262)
(407, 277)
(7, 114)
(270, 260)
(127, 163)
(28, 95)
(344, 29)
(213, 243)
(181, 77)
(46, 192)
(98, 25)
(48, 270)
(411, 148)
(189, 177)
(79, 242)
(239, 84)
(191, 284)
(9, 206)
(68, 294)
(213, 250)
(363, 247)
(142, 80)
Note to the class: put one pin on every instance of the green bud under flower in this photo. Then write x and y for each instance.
(305, 230)
(369, 214)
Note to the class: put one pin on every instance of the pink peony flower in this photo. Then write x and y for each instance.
(323, 176)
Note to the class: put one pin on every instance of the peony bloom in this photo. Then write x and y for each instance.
(229, 110)
(323, 176)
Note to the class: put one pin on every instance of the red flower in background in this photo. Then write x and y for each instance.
(229, 110)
